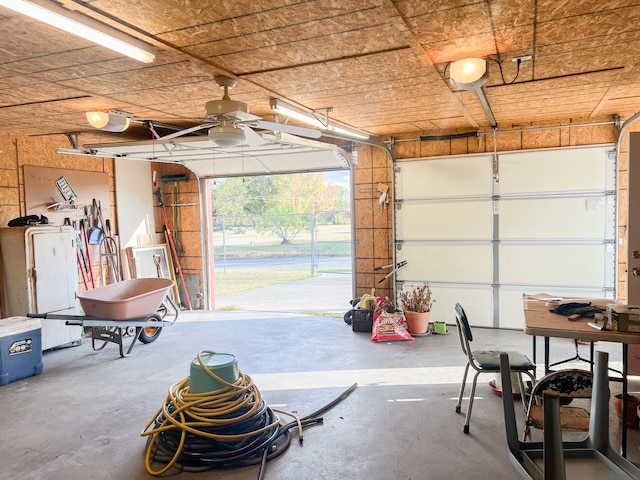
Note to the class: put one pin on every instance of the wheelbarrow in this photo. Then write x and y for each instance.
(136, 308)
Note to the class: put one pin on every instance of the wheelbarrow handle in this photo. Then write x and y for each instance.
(56, 316)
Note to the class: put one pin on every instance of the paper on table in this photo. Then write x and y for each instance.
(544, 297)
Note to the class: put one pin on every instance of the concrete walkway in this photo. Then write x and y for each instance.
(329, 292)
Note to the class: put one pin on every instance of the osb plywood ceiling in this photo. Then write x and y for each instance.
(380, 65)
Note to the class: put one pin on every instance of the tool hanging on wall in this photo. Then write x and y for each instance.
(383, 201)
(395, 269)
(108, 246)
(83, 256)
(95, 233)
(176, 260)
(109, 251)
(176, 216)
(67, 221)
(172, 269)
(156, 261)
(81, 268)
(85, 239)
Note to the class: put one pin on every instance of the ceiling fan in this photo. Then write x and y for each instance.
(230, 123)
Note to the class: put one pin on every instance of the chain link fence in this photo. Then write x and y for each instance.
(316, 242)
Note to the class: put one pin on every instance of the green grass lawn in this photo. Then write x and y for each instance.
(335, 241)
(241, 280)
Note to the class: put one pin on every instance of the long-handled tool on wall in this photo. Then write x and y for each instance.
(396, 267)
(85, 238)
(100, 234)
(172, 244)
(67, 221)
(172, 269)
(81, 267)
(176, 214)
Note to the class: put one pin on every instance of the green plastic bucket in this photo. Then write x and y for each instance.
(223, 365)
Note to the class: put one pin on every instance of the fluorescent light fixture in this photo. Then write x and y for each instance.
(292, 111)
(109, 122)
(309, 117)
(82, 26)
(344, 130)
(469, 73)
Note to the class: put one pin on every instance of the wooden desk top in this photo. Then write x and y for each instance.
(539, 321)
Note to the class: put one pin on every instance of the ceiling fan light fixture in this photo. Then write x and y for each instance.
(108, 121)
(226, 136)
(82, 26)
(468, 73)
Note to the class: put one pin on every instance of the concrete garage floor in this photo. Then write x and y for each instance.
(82, 417)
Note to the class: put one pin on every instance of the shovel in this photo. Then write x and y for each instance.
(95, 233)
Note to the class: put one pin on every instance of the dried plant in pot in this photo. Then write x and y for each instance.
(416, 304)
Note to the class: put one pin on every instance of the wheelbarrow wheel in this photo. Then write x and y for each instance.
(149, 334)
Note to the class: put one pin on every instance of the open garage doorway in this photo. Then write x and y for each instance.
(282, 242)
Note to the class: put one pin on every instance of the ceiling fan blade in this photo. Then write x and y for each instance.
(292, 129)
(252, 138)
(242, 116)
(186, 131)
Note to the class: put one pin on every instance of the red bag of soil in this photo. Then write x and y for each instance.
(387, 323)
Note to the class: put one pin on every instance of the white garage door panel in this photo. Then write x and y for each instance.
(578, 218)
(555, 233)
(559, 170)
(470, 220)
(279, 153)
(477, 304)
(579, 265)
(444, 177)
(511, 301)
(446, 263)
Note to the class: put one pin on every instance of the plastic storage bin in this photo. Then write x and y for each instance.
(20, 348)
(362, 320)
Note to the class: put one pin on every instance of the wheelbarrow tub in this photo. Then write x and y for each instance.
(125, 300)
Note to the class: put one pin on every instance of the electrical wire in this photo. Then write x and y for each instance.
(518, 62)
(226, 428)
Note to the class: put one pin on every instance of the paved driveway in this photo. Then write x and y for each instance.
(328, 292)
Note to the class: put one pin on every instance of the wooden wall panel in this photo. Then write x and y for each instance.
(41, 191)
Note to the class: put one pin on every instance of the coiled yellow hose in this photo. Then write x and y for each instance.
(194, 413)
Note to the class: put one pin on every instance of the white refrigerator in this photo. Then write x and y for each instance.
(40, 275)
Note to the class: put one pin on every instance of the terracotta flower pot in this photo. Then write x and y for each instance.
(632, 404)
(417, 323)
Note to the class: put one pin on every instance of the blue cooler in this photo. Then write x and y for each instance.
(20, 348)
